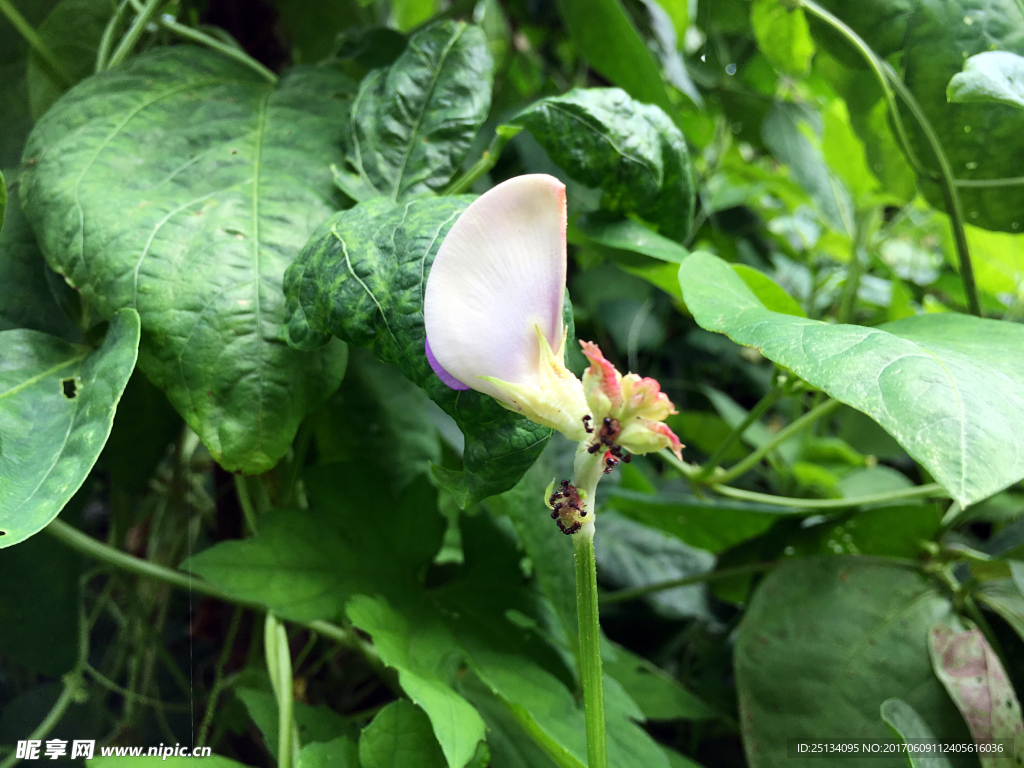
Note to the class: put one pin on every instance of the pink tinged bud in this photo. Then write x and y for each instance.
(638, 404)
(492, 306)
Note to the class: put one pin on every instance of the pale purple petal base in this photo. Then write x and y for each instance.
(442, 374)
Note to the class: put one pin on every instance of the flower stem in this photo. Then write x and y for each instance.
(590, 648)
(588, 471)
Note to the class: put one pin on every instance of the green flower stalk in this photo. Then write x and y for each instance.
(493, 315)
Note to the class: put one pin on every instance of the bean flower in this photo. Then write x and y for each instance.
(493, 313)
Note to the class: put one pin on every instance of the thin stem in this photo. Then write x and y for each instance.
(869, 55)
(502, 135)
(756, 412)
(131, 37)
(1010, 181)
(33, 39)
(931, 490)
(891, 82)
(245, 502)
(67, 696)
(741, 468)
(218, 676)
(623, 595)
(209, 41)
(848, 303)
(590, 649)
(290, 495)
(588, 470)
(950, 194)
(148, 701)
(103, 52)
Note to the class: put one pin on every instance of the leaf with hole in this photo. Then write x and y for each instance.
(182, 184)
(948, 387)
(57, 403)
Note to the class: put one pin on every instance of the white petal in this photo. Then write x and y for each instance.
(499, 273)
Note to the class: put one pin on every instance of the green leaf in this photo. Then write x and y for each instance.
(770, 293)
(792, 133)
(658, 694)
(782, 35)
(998, 260)
(306, 565)
(315, 724)
(632, 236)
(337, 753)
(989, 77)
(844, 153)
(422, 649)
(380, 418)
(28, 288)
(57, 403)
(72, 32)
(314, 25)
(361, 278)
(907, 726)
(413, 122)
(39, 605)
(408, 14)
(933, 40)
(607, 39)
(632, 151)
(711, 524)
(823, 643)
(510, 745)
(631, 555)
(1005, 598)
(976, 681)
(195, 230)
(400, 737)
(926, 379)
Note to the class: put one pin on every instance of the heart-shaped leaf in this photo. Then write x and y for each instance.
(57, 403)
(413, 122)
(361, 277)
(632, 151)
(948, 387)
(182, 184)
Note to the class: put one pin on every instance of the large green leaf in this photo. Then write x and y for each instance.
(28, 288)
(182, 184)
(72, 32)
(607, 39)
(361, 277)
(413, 122)
(982, 141)
(632, 151)
(948, 387)
(57, 403)
(824, 642)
